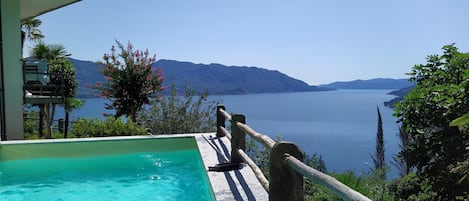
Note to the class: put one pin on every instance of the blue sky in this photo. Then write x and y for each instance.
(315, 41)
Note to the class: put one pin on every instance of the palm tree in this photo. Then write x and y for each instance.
(69, 105)
(53, 54)
(50, 52)
(29, 30)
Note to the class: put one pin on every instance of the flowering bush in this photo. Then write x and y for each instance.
(130, 81)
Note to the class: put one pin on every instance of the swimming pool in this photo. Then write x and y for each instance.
(125, 169)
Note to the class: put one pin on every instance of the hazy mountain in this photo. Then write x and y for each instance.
(216, 78)
(378, 83)
(220, 79)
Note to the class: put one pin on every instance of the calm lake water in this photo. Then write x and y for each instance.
(339, 125)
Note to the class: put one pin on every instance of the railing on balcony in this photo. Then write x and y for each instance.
(37, 86)
(286, 167)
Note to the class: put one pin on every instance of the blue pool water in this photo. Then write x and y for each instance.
(162, 175)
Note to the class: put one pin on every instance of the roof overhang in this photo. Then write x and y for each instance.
(33, 8)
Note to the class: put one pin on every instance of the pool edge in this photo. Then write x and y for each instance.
(233, 185)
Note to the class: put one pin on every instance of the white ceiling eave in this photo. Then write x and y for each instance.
(33, 8)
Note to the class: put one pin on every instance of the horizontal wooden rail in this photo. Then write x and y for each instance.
(257, 171)
(287, 170)
(224, 113)
(264, 139)
(325, 180)
(225, 132)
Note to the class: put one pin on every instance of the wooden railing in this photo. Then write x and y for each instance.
(285, 165)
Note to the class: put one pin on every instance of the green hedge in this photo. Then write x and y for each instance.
(108, 127)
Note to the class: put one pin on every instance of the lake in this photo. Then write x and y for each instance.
(339, 125)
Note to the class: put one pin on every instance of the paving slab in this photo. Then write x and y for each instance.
(236, 185)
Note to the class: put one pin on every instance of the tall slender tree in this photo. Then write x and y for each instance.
(378, 158)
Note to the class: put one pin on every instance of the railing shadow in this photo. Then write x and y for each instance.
(221, 148)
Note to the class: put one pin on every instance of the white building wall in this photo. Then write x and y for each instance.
(12, 68)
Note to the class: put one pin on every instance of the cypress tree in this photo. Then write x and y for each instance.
(378, 157)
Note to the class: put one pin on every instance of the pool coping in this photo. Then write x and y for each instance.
(231, 185)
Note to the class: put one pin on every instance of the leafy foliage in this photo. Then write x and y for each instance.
(130, 80)
(461, 121)
(61, 72)
(412, 187)
(30, 125)
(175, 113)
(30, 30)
(440, 96)
(370, 185)
(103, 128)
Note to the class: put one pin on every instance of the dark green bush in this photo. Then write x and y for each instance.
(411, 187)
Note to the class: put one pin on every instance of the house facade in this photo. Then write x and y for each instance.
(11, 71)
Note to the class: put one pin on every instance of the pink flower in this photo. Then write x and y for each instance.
(150, 89)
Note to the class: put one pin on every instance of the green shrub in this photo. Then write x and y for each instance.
(187, 113)
(103, 128)
(31, 123)
(412, 187)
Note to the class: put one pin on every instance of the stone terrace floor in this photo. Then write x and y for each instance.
(231, 185)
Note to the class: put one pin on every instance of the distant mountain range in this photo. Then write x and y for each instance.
(378, 83)
(220, 79)
(401, 86)
(217, 79)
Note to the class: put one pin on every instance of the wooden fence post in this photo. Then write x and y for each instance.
(286, 184)
(238, 137)
(220, 121)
